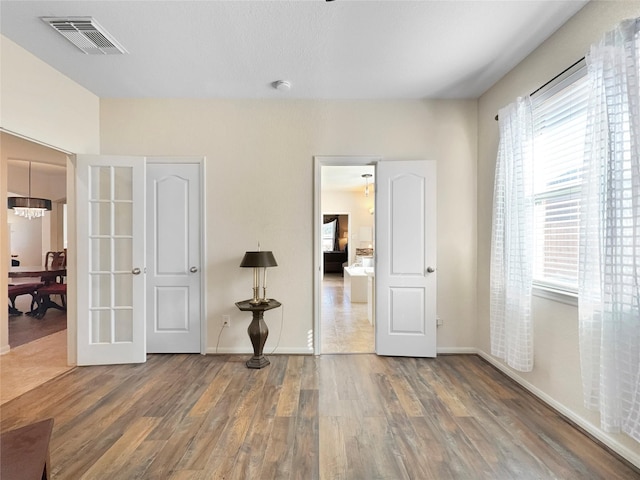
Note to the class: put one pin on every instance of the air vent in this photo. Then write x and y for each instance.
(86, 34)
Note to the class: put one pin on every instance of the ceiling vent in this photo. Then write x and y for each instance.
(86, 34)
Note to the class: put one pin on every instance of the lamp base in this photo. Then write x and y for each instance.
(258, 362)
(255, 300)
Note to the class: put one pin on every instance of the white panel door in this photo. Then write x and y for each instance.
(110, 240)
(405, 252)
(173, 258)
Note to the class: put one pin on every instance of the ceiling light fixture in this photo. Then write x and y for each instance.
(29, 207)
(366, 177)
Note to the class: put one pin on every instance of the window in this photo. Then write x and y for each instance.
(329, 236)
(559, 115)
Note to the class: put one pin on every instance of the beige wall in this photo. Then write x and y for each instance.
(259, 187)
(47, 181)
(556, 375)
(39, 103)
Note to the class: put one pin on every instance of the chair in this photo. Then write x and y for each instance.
(43, 298)
(23, 289)
(54, 260)
(52, 284)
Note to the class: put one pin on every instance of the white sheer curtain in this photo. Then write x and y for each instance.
(512, 239)
(609, 286)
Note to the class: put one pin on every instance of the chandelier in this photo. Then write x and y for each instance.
(29, 207)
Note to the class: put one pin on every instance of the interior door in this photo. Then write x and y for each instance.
(173, 258)
(110, 248)
(405, 249)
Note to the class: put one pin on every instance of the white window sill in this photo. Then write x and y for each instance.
(569, 298)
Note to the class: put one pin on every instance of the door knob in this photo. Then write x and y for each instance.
(193, 269)
(136, 271)
(430, 269)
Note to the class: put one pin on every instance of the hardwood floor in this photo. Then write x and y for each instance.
(345, 327)
(305, 417)
(24, 328)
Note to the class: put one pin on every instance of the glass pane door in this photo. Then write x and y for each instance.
(110, 259)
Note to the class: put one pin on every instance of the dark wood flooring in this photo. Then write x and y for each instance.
(24, 328)
(304, 417)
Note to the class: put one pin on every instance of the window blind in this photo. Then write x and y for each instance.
(559, 115)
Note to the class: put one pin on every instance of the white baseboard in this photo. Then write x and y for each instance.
(5, 349)
(245, 351)
(457, 350)
(587, 426)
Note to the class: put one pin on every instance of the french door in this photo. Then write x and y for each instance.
(110, 193)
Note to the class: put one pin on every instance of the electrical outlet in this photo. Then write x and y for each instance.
(438, 321)
(226, 320)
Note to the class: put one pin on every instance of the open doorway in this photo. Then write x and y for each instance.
(347, 237)
(36, 344)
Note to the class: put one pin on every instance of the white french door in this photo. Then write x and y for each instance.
(110, 193)
(405, 269)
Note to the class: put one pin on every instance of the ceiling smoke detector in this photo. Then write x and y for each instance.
(282, 85)
(86, 34)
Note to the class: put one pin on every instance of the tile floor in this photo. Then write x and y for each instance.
(345, 327)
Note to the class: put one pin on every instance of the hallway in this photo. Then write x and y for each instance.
(345, 328)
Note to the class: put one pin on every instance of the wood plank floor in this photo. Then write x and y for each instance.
(24, 328)
(305, 417)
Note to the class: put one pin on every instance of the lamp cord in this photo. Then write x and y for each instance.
(219, 336)
(279, 334)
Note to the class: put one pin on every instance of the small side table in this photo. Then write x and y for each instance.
(258, 330)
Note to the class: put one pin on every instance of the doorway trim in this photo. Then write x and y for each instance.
(318, 163)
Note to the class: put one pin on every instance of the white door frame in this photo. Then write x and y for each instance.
(318, 163)
(201, 161)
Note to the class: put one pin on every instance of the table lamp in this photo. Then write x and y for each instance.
(258, 260)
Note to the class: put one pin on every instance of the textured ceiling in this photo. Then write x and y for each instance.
(331, 50)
